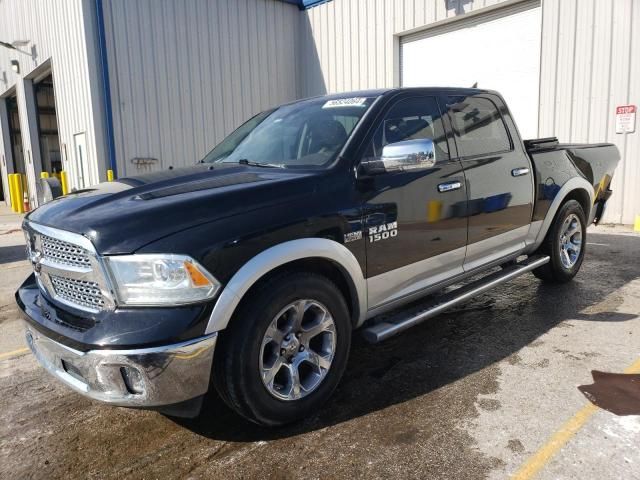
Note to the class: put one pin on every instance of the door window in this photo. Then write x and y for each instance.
(411, 119)
(478, 126)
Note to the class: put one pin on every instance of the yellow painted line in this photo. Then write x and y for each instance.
(532, 466)
(14, 353)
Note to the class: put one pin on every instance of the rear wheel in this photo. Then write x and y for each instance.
(565, 244)
(285, 350)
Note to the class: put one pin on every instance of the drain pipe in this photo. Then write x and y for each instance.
(102, 45)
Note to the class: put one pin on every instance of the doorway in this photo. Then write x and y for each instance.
(47, 122)
(15, 135)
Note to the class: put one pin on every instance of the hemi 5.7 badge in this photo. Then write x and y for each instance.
(352, 236)
(383, 232)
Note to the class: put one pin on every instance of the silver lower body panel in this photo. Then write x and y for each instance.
(148, 377)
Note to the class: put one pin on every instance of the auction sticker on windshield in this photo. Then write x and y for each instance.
(345, 102)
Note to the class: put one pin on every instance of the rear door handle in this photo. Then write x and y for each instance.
(449, 186)
(518, 172)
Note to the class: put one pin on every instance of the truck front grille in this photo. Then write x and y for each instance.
(68, 268)
(79, 292)
(64, 253)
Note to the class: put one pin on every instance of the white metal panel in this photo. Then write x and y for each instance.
(61, 34)
(590, 64)
(364, 39)
(479, 54)
(185, 74)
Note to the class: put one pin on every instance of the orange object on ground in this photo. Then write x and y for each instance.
(26, 203)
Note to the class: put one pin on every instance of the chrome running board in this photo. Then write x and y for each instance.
(399, 323)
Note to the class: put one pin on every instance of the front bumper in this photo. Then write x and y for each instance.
(147, 377)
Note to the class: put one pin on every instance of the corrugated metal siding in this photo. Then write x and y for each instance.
(59, 31)
(350, 45)
(591, 64)
(185, 74)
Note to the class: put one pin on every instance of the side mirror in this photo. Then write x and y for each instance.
(401, 156)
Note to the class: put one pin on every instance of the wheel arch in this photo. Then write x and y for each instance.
(582, 197)
(577, 189)
(316, 254)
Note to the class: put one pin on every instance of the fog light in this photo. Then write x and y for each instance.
(72, 370)
(132, 380)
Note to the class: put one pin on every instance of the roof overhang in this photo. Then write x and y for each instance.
(304, 4)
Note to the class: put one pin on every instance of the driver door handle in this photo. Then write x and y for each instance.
(449, 186)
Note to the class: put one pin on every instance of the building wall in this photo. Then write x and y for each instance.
(355, 41)
(185, 74)
(58, 34)
(590, 63)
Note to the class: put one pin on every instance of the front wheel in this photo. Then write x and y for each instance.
(286, 349)
(565, 244)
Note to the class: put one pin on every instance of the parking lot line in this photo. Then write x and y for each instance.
(14, 353)
(532, 466)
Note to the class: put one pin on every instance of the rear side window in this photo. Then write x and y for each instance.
(478, 126)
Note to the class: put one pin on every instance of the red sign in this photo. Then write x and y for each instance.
(622, 109)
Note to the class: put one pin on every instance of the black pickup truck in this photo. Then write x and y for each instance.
(249, 271)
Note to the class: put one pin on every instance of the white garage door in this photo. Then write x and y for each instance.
(500, 51)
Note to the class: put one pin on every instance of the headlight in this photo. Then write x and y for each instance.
(159, 279)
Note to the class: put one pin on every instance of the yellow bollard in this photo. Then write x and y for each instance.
(109, 175)
(18, 193)
(636, 225)
(63, 182)
(15, 201)
(12, 193)
(44, 174)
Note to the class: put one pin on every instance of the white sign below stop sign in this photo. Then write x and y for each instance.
(626, 119)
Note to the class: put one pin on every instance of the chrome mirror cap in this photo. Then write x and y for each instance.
(405, 155)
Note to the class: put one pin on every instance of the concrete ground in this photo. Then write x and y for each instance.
(486, 391)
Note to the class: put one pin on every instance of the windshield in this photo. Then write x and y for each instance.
(307, 134)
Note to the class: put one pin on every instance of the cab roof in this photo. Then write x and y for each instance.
(384, 91)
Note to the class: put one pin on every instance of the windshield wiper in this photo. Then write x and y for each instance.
(245, 161)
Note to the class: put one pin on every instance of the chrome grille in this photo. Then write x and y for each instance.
(78, 292)
(64, 253)
(68, 268)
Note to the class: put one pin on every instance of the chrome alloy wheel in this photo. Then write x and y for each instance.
(297, 350)
(570, 241)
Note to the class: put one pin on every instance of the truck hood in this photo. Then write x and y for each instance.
(121, 217)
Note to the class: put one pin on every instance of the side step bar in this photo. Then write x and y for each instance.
(394, 325)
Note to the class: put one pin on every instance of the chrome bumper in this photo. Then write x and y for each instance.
(148, 377)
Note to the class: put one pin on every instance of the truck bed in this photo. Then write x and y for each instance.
(555, 163)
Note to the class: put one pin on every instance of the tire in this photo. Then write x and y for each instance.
(564, 264)
(252, 346)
